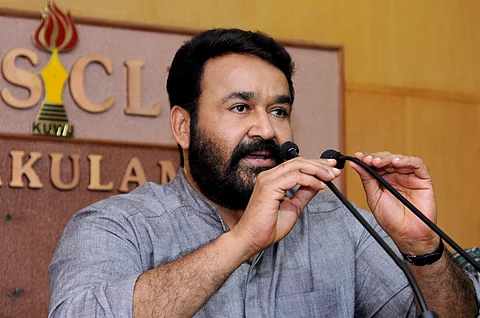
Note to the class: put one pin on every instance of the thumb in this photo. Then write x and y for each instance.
(369, 183)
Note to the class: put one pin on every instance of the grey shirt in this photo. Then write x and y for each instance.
(327, 266)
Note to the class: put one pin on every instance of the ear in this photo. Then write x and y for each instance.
(180, 124)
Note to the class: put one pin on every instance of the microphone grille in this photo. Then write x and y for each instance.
(289, 150)
(333, 154)
(330, 154)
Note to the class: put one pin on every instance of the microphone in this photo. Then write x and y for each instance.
(333, 154)
(289, 150)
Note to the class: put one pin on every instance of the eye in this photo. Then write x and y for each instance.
(240, 108)
(280, 112)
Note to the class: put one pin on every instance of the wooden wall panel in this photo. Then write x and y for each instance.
(445, 134)
(373, 122)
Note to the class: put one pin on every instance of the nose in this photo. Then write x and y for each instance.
(261, 126)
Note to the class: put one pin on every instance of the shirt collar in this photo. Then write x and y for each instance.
(195, 199)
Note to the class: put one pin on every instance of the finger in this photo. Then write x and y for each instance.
(382, 160)
(364, 175)
(395, 163)
(320, 168)
(377, 161)
(360, 155)
(292, 180)
(302, 196)
(369, 183)
(414, 165)
(369, 156)
(275, 187)
(318, 161)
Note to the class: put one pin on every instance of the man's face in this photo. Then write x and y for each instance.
(243, 116)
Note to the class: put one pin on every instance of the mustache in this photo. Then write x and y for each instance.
(259, 144)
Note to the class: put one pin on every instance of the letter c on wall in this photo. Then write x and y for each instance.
(77, 79)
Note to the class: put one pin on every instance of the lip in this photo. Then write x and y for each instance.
(258, 158)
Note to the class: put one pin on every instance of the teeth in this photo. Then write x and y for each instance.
(258, 157)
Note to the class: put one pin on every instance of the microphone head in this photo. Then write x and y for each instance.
(333, 154)
(289, 150)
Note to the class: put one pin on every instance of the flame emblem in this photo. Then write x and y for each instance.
(55, 33)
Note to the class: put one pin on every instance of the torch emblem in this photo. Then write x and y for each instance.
(56, 33)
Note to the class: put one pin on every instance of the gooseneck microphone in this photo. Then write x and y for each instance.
(333, 154)
(341, 159)
(289, 150)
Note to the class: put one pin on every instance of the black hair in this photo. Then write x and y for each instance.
(186, 71)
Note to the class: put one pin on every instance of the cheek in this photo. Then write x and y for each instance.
(225, 143)
(284, 132)
(232, 133)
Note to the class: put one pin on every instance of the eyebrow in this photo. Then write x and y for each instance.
(239, 95)
(247, 96)
(283, 99)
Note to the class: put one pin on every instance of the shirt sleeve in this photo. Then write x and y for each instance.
(94, 268)
(382, 289)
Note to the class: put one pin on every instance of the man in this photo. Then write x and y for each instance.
(227, 237)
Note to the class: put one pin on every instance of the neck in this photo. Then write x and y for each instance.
(231, 217)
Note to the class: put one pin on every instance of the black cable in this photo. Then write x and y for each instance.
(289, 150)
(400, 263)
(412, 208)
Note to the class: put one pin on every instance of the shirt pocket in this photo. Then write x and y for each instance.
(321, 303)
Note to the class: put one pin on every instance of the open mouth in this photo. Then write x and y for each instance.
(258, 158)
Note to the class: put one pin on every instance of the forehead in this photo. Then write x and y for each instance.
(242, 72)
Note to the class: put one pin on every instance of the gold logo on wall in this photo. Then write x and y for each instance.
(56, 33)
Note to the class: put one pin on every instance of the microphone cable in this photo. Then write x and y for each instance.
(332, 154)
(289, 150)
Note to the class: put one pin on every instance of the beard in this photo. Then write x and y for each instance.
(225, 181)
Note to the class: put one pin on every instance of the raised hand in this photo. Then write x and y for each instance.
(410, 177)
(270, 214)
